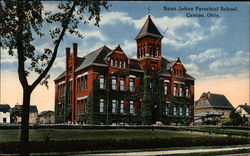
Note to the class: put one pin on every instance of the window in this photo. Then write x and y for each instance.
(180, 111)
(101, 81)
(187, 111)
(120, 64)
(116, 63)
(70, 90)
(175, 111)
(114, 85)
(80, 106)
(85, 106)
(131, 107)
(122, 84)
(85, 82)
(203, 102)
(166, 108)
(187, 91)
(131, 85)
(101, 105)
(112, 62)
(114, 102)
(180, 93)
(157, 51)
(175, 90)
(78, 85)
(61, 89)
(166, 89)
(122, 106)
(124, 64)
(82, 83)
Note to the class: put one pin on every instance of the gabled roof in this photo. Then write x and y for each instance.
(4, 108)
(246, 108)
(118, 48)
(149, 29)
(96, 56)
(78, 63)
(218, 100)
(170, 64)
(33, 108)
(44, 113)
(61, 76)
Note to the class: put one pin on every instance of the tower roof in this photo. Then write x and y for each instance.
(149, 29)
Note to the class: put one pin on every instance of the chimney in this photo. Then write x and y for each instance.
(74, 55)
(75, 50)
(67, 58)
(208, 94)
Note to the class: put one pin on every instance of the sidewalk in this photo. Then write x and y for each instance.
(169, 152)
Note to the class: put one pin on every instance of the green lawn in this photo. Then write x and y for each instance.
(85, 134)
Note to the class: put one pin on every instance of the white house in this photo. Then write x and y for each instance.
(4, 113)
(244, 110)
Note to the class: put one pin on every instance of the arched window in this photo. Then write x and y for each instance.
(120, 64)
(157, 50)
(139, 52)
(112, 62)
(144, 50)
(150, 49)
(153, 50)
(116, 63)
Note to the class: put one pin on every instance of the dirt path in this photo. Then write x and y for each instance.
(169, 152)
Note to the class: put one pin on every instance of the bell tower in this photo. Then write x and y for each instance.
(149, 46)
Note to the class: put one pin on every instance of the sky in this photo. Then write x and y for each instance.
(214, 50)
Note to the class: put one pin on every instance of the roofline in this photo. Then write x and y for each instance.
(149, 34)
(96, 50)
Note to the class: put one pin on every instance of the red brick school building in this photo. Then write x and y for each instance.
(106, 86)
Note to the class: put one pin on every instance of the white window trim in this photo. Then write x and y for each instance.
(179, 82)
(61, 83)
(86, 73)
(82, 98)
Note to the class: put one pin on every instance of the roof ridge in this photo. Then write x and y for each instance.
(94, 51)
(214, 93)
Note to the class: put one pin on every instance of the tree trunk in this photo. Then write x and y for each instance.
(24, 139)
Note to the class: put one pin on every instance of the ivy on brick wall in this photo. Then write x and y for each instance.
(64, 115)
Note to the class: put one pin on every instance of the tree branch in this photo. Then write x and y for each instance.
(54, 54)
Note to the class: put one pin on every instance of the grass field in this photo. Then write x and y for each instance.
(86, 134)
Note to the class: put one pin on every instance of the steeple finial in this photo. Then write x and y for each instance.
(149, 9)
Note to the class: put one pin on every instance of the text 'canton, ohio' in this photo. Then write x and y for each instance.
(209, 14)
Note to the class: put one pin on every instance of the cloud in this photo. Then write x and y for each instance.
(6, 58)
(129, 47)
(234, 64)
(193, 70)
(59, 62)
(94, 34)
(114, 17)
(51, 6)
(217, 25)
(207, 55)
